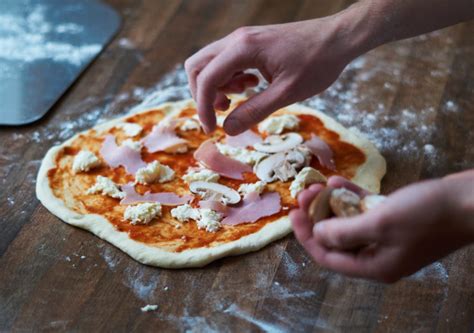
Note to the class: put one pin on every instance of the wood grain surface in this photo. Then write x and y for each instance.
(414, 98)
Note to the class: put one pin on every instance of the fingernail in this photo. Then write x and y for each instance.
(233, 126)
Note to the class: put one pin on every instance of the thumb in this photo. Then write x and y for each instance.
(257, 108)
(348, 233)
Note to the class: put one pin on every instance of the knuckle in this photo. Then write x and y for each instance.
(244, 35)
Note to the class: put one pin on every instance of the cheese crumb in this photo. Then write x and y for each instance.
(85, 161)
(154, 172)
(130, 129)
(185, 212)
(190, 124)
(142, 213)
(205, 175)
(209, 220)
(258, 187)
(106, 186)
(135, 145)
(277, 124)
(241, 154)
(306, 176)
(149, 307)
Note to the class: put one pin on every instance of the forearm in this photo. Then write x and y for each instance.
(461, 200)
(371, 23)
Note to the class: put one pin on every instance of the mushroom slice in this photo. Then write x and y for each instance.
(279, 143)
(319, 208)
(215, 191)
(266, 168)
(345, 203)
(297, 158)
(371, 201)
(281, 166)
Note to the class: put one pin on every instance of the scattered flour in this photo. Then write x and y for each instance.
(149, 308)
(32, 37)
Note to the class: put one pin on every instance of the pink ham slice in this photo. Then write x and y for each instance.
(214, 205)
(322, 151)
(116, 156)
(162, 137)
(243, 140)
(252, 208)
(164, 198)
(211, 158)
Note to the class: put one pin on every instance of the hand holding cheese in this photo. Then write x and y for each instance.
(301, 59)
(415, 226)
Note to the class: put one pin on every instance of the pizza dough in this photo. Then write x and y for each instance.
(71, 206)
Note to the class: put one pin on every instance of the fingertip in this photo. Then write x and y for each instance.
(233, 126)
(306, 196)
(301, 225)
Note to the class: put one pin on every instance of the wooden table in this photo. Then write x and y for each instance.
(414, 98)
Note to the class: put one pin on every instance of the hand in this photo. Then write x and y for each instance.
(415, 226)
(298, 60)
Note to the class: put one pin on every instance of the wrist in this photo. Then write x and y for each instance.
(360, 28)
(461, 188)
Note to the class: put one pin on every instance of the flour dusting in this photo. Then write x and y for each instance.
(31, 37)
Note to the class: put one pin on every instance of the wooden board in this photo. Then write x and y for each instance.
(414, 98)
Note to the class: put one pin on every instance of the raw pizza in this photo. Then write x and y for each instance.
(157, 187)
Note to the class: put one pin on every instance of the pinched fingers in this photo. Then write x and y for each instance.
(338, 181)
(257, 108)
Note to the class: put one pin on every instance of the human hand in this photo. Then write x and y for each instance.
(415, 226)
(298, 60)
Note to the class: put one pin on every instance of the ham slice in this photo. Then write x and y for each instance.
(214, 205)
(252, 208)
(243, 140)
(164, 198)
(211, 158)
(162, 137)
(125, 156)
(322, 151)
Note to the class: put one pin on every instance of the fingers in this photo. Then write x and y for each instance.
(221, 103)
(239, 83)
(306, 196)
(338, 181)
(302, 226)
(218, 72)
(255, 109)
(347, 233)
(195, 64)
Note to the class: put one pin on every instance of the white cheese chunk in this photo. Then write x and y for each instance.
(204, 175)
(209, 220)
(130, 129)
(142, 213)
(305, 177)
(154, 172)
(277, 124)
(106, 186)
(190, 124)
(85, 161)
(135, 145)
(258, 187)
(149, 307)
(185, 212)
(241, 154)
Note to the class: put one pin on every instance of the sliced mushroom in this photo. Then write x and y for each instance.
(319, 209)
(215, 191)
(372, 201)
(280, 166)
(296, 158)
(345, 203)
(265, 169)
(279, 143)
